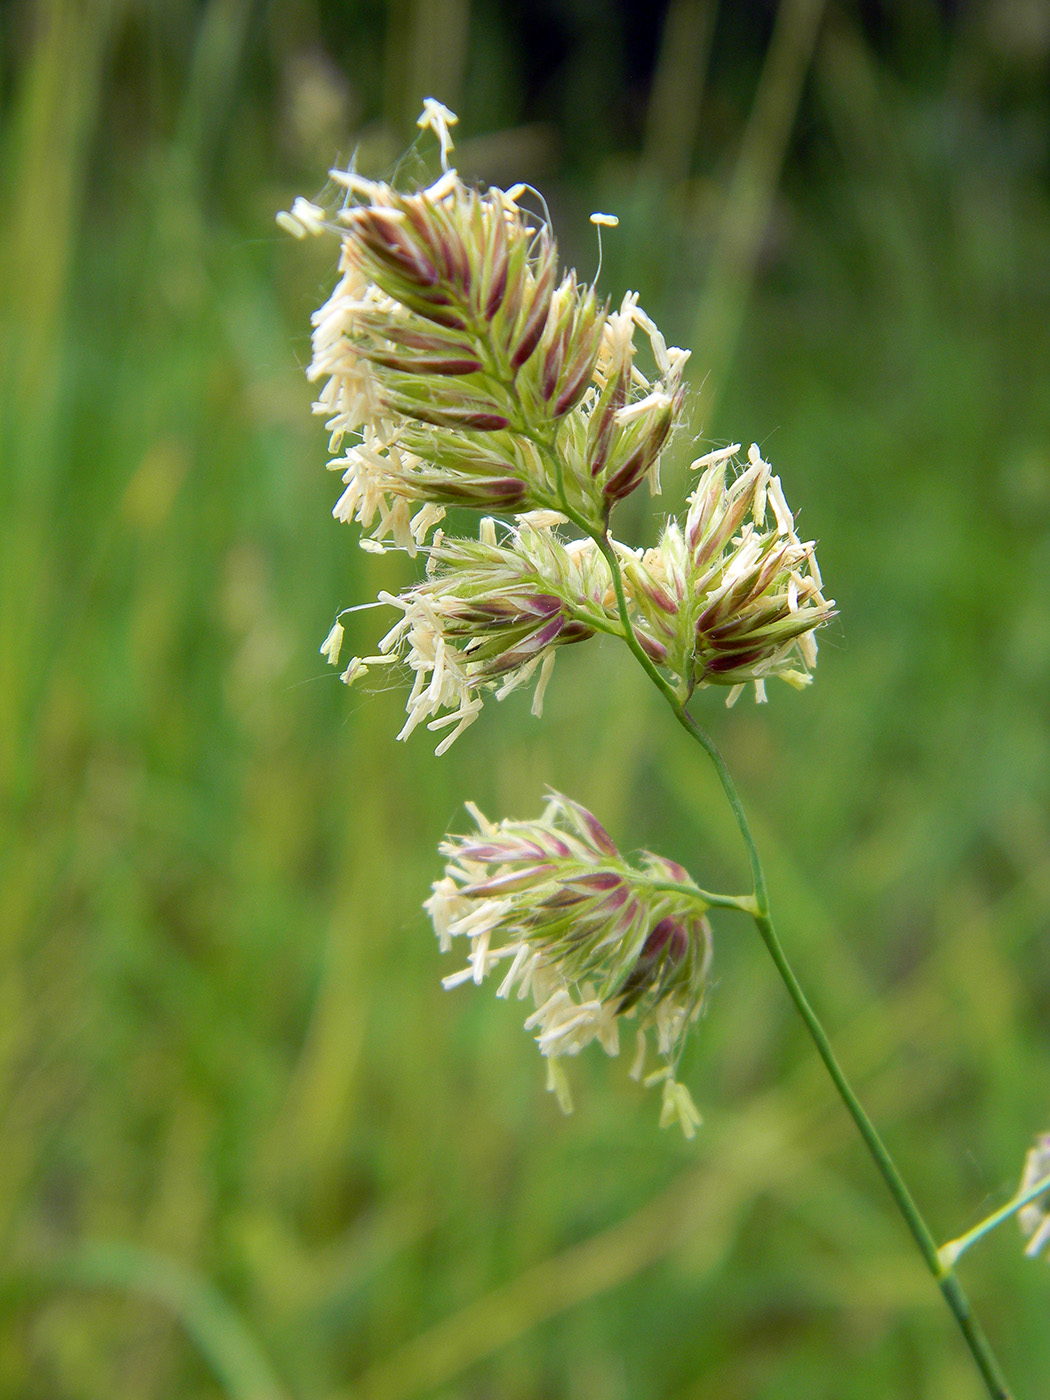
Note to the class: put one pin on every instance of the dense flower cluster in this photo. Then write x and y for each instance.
(460, 367)
(489, 616)
(592, 940)
(731, 596)
(468, 368)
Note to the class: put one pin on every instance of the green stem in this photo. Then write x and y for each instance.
(947, 1281)
(758, 875)
(743, 902)
(758, 906)
(950, 1252)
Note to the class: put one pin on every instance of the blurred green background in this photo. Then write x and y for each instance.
(248, 1147)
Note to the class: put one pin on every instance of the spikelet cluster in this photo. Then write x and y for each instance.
(591, 940)
(459, 366)
(490, 616)
(732, 594)
(469, 369)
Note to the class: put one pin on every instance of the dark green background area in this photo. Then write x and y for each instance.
(248, 1146)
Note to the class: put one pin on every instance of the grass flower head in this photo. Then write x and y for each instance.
(732, 595)
(490, 616)
(590, 938)
(466, 368)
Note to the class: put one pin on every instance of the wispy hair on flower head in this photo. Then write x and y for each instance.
(592, 939)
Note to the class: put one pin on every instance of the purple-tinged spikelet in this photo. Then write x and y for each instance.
(490, 616)
(593, 940)
(731, 596)
(455, 355)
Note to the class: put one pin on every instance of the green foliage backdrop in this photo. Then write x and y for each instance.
(248, 1147)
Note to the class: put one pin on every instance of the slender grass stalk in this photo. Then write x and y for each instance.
(757, 905)
(749, 201)
(675, 106)
(942, 1271)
